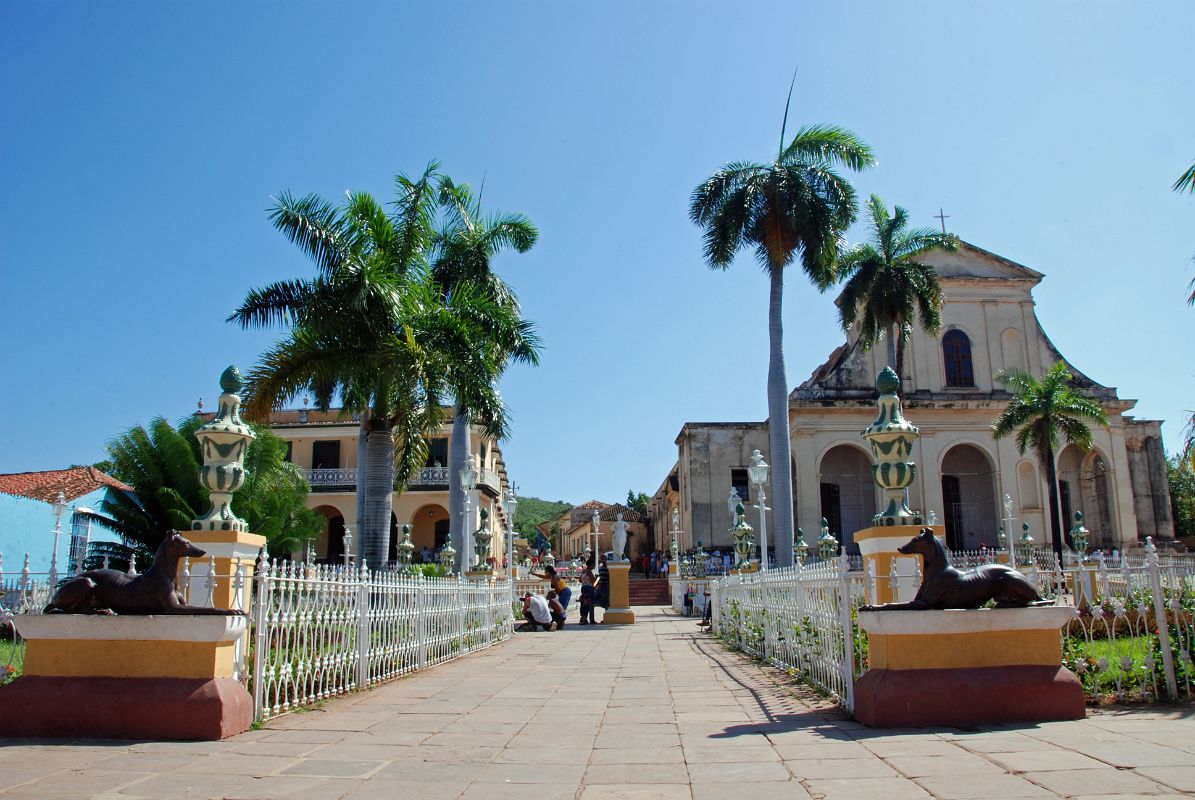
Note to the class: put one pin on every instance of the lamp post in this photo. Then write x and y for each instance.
(595, 520)
(758, 473)
(59, 506)
(511, 501)
(468, 484)
(348, 546)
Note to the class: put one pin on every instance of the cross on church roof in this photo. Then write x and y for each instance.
(942, 218)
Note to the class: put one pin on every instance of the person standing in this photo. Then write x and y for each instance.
(587, 596)
(602, 586)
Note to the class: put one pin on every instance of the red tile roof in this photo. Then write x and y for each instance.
(73, 483)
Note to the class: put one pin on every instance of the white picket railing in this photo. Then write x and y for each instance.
(321, 631)
(1132, 636)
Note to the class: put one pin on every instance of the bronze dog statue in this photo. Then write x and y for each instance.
(110, 591)
(944, 587)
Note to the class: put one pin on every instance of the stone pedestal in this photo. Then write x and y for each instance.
(878, 546)
(483, 574)
(619, 612)
(966, 668)
(231, 550)
(128, 677)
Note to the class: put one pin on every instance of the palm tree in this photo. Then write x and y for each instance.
(1186, 183)
(465, 248)
(795, 206)
(887, 287)
(1043, 413)
(161, 464)
(372, 327)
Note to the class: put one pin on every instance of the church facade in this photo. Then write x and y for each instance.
(989, 323)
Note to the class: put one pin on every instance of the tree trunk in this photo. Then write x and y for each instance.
(1052, 485)
(379, 486)
(778, 441)
(898, 360)
(458, 451)
(892, 351)
(362, 471)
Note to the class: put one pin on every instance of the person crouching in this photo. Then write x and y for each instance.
(556, 609)
(536, 612)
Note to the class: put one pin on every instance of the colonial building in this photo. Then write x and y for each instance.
(572, 532)
(328, 446)
(988, 323)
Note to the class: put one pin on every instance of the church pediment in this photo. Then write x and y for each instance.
(975, 263)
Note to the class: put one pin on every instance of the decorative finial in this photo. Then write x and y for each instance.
(230, 380)
(887, 382)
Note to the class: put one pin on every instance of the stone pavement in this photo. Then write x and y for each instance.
(650, 711)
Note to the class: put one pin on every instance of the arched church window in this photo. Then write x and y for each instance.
(956, 353)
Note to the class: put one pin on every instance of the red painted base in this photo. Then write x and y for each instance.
(38, 707)
(914, 698)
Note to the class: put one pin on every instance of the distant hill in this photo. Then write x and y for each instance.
(532, 511)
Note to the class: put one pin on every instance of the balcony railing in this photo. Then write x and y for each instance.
(323, 479)
(429, 477)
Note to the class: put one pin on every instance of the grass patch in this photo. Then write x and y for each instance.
(12, 660)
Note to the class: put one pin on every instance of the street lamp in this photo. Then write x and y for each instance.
(348, 546)
(758, 473)
(59, 506)
(468, 484)
(595, 519)
(511, 501)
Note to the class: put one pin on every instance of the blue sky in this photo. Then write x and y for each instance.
(140, 144)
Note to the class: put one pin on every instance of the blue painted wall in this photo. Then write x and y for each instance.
(27, 526)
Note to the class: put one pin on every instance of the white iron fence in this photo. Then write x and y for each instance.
(316, 631)
(1132, 636)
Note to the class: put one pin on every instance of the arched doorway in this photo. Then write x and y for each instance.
(331, 541)
(1097, 498)
(1068, 466)
(969, 497)
(429, 527)
(847, 493)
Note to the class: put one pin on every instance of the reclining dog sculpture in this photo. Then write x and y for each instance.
(110, 591)
(944, 587)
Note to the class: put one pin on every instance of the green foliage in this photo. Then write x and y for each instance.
(886, 286)
(1044, 414)
(533, 512)
(429, 570)
(1182, 495)
(161, 464)
(638, 501)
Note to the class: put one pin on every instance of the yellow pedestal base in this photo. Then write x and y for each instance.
(878, 546)
(619, 612)
(232, 550)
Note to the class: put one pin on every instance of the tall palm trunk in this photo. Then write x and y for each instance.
(362, 471)
(1052, 481)
(892, 351)
(457, 453)
(782, 479)
(379, 486)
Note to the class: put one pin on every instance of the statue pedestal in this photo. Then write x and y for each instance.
(878, 546)
(619, 612)
(231, 549)
(483, 574)
(128, 677)
(966, 668)
(750, 568)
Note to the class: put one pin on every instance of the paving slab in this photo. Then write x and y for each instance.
(654, 711)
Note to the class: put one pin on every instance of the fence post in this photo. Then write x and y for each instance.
(363, 626)
(420, 624)
(460, 606)
(848, 629)
(1155, 585)
(260, 656)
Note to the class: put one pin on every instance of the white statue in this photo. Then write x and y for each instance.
(620, 537)
(596, 520)
(675, 520)
(732, 503)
